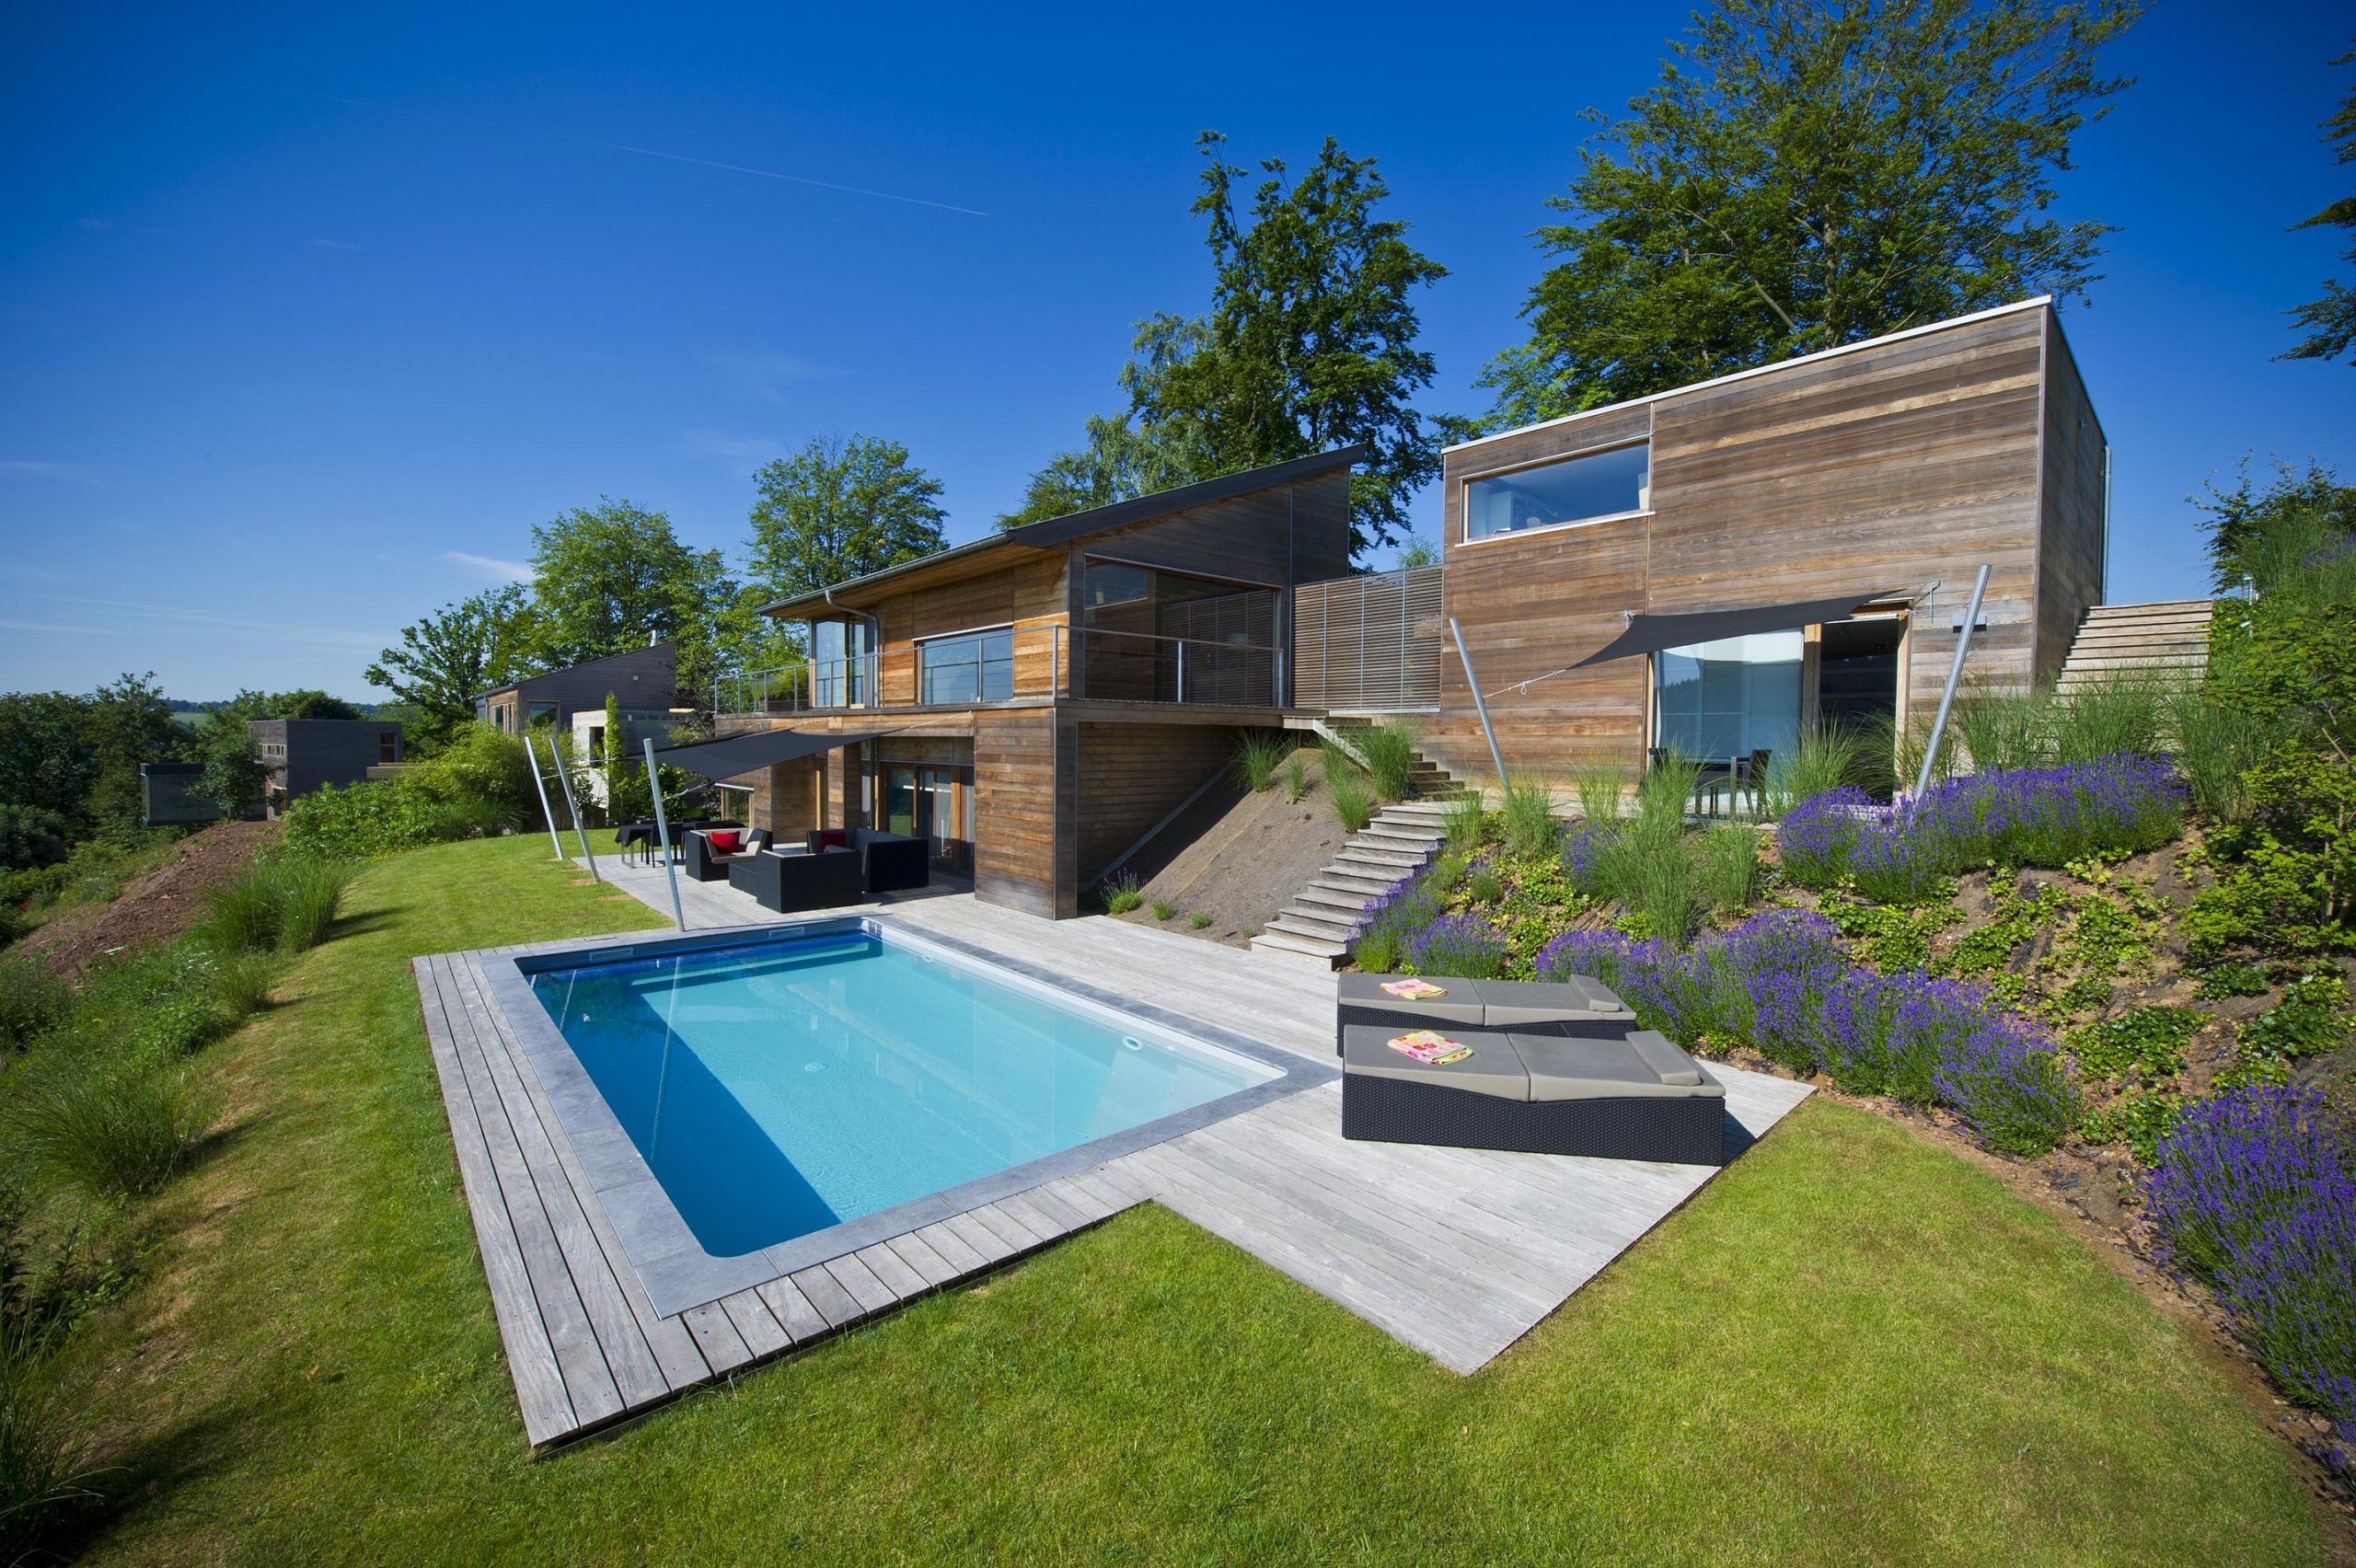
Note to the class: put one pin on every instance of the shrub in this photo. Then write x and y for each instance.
(1258, 755)
(244, 981)
(1351, 802)
(1389, 750)
(2214, 743)
(2141, 1118)
(1391, 921)
(2123, 713)
(1656, 885)
(1485, 887)
(44, 1463)
(1122, 894)
(2146, 1043)
(1601, 790)
(1823, 757)
(119, 1124)
(1464, 821)
(31, 837)
(1296, 778)
(1458, 945)
(286, 904)
(1163, 909)
(1334, 760)
(2312, 1018)
(2286, 877)
(2008, 1086)
(1998, 731)
(1726, 869)
(31, 999)
(1198, 920)
(2254, 1194)
(2219, 981)
(478, 785)
(1531, 832)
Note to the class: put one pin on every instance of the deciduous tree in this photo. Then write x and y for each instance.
(839, 509)
(1810, 173)
(2331, 320)
(447, 659)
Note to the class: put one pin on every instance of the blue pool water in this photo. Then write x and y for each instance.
(780, 1087)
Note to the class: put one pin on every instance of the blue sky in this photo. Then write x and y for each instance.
(306, 317)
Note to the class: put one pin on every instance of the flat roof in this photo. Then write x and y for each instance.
(1096, 520)
(2039, 302)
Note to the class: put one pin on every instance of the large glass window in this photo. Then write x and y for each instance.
(838, 664)
(1726, 700)
(977, 667)
(1596, 484)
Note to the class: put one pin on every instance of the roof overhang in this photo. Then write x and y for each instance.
(976, 555)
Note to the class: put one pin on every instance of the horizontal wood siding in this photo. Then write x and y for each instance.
(1292, 533)
(1886, 469)
(2070, 510)
(1131, 776)
(1027, 593)
(1021, 759)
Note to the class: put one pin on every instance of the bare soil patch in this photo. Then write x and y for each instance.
(156, 907)
(1238, 858)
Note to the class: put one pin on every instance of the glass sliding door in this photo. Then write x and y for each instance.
(838, 664)
(934, 804)
(1724, 700)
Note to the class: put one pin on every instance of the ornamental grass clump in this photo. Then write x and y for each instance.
(2255, 1195)
(1458, 944)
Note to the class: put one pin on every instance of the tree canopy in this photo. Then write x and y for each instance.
(449, 658)
(1809, 173)
(2331, 320)
(70, 761)
(1310, 342)
(613, 577)
(1117, 462)
(232, 779)
(839, 509)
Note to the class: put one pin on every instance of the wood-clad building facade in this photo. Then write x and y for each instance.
(1890, 470)
(1042, 699)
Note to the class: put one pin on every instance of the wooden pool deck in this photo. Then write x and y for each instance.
(1456, 1253)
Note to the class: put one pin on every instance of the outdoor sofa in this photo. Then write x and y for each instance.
(705, 862)
(891, 862)
(1597, 1088)
(791, 882)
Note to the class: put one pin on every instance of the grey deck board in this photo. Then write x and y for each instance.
(1456, 1253)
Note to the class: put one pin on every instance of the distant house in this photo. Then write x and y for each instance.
(299, 755)
(638, 724)
(645, 679)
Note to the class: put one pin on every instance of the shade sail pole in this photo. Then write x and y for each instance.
(547, 813)
(565, 778)
(1954, 674)
(1473, 682)
(662, 831)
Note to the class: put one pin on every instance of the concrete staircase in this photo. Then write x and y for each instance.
(2170, 634)
(1427, 781)
(1317, 927)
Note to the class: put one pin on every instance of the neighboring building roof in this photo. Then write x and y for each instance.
(1097, 520)
(2040, 303)
(522, 681)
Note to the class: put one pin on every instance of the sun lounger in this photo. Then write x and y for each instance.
(1532, 1006)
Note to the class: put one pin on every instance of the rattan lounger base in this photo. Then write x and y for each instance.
(1677, 1130)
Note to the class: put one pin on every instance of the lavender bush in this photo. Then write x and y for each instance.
(2254, 1193)
(2025, 816)
(1781, 984)
(1458, 945)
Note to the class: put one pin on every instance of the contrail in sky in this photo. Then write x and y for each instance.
(701, 163)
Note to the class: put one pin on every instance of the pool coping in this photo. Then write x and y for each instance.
(672, 1267)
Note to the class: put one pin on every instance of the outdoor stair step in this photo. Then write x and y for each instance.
(1348, 903)
(1313, 950)
(1430, 809)
(1354, 879)
(1300, 922)
(1376, 836)
(1416, 829)
(1376, 855)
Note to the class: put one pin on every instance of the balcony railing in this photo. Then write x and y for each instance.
(1029, 665)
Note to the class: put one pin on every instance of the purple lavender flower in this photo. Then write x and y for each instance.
(1458, 945)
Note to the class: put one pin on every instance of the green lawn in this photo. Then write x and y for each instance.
(1851, 1347)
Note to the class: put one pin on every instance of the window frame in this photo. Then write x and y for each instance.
(1465, 538)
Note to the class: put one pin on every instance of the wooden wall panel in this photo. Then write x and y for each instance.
(1296, 533)
(1027, 593)
(2070, 510)
(1131, 776)
(1023, 784)
(1888, 469)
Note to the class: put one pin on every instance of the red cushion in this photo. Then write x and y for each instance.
(724, 843)
(834, 838)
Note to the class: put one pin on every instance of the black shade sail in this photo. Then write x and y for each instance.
(764, 748)
(1651, 634)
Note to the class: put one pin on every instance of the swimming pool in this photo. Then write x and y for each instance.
(785, 1084)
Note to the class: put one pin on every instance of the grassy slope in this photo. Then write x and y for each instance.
(1851, 1346)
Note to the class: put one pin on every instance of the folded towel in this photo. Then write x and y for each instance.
(1413, 990)
(1432, 1050)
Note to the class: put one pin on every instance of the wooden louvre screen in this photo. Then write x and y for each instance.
(1368, 644)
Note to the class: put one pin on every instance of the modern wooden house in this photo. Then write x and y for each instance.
(645, 679)
(1885, 471)
(298, 755)
(1034, 703)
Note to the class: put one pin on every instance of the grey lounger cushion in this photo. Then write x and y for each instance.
(1495, 1068)
(1507, 1003)
(1461, 1004)
(1664, 1056)
(1562, 1068)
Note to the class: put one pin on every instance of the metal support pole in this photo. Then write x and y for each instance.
(662, 831)
(1479, 707)
(547, 813)
(1954, 674)
(564, 778)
